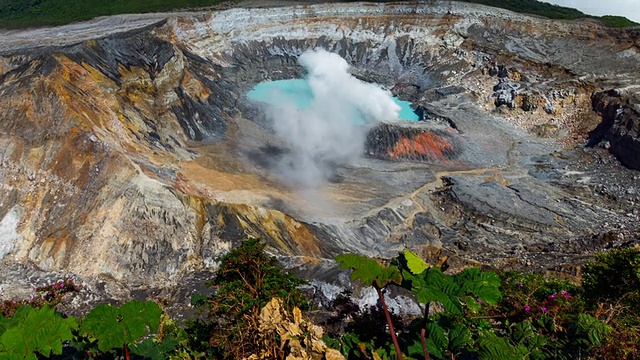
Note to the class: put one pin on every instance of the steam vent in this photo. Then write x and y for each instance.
(132, 158)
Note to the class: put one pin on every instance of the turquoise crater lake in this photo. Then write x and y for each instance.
(298, 93)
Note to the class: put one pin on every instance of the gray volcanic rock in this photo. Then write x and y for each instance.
(133, 160)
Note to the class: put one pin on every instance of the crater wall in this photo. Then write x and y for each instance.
(135, 156)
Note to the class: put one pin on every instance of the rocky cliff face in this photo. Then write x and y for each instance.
(619, 130)
(135, 158)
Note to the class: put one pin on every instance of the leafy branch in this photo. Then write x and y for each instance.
(372, 273)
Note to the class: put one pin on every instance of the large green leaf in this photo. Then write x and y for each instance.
(459, 337)
(103, 324)
(137, 316)
(149, 349)
(369, 271)
(113, 327)
(415, 264)
(434, 349)
(595, 329)
(18, 316)
(34, 331)
(472, 304)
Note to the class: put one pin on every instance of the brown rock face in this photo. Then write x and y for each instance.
(96, 163)
(135, 156)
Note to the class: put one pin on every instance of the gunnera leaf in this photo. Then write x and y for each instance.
(369, 271)
(41, 331)
(113, 327)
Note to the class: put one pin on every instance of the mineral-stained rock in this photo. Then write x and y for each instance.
(405, 143)
(133, 159)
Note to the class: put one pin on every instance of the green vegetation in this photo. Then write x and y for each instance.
(26, 13)
(551, 11)
(256, 309)
(458, 295)
(372, 273)
(245, 282)
(118, 327)
(512, 315)
(32, 331)
(534, 7)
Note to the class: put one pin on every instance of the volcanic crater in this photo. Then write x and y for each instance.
(133, 159)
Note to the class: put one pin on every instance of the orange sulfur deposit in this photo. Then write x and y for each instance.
(393, 142)
(423, 145)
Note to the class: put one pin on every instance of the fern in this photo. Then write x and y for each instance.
(434, 286)
(594, 329)
(484, 285)
(437, 341)
(493, 347)
(526, 334)
(452, 292)
(467, 289)
(459, 337)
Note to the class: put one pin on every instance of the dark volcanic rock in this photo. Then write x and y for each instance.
(620, 125)
(140, 49)
(200, 120)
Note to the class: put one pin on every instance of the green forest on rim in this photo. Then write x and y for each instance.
(28, 13)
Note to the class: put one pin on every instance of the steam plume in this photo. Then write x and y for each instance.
(331, 130)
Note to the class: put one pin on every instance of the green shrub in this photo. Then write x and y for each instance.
(517, 315)
(612, 290)
(617, 21)
(442, 335)
(613, 276)
(245, 282)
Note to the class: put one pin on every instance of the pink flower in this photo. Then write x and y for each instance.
(527, 308)
(544, 309)
(553, 296)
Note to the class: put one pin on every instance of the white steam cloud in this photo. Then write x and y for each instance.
(331, 130)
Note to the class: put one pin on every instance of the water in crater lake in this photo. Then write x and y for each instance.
(299, 93)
